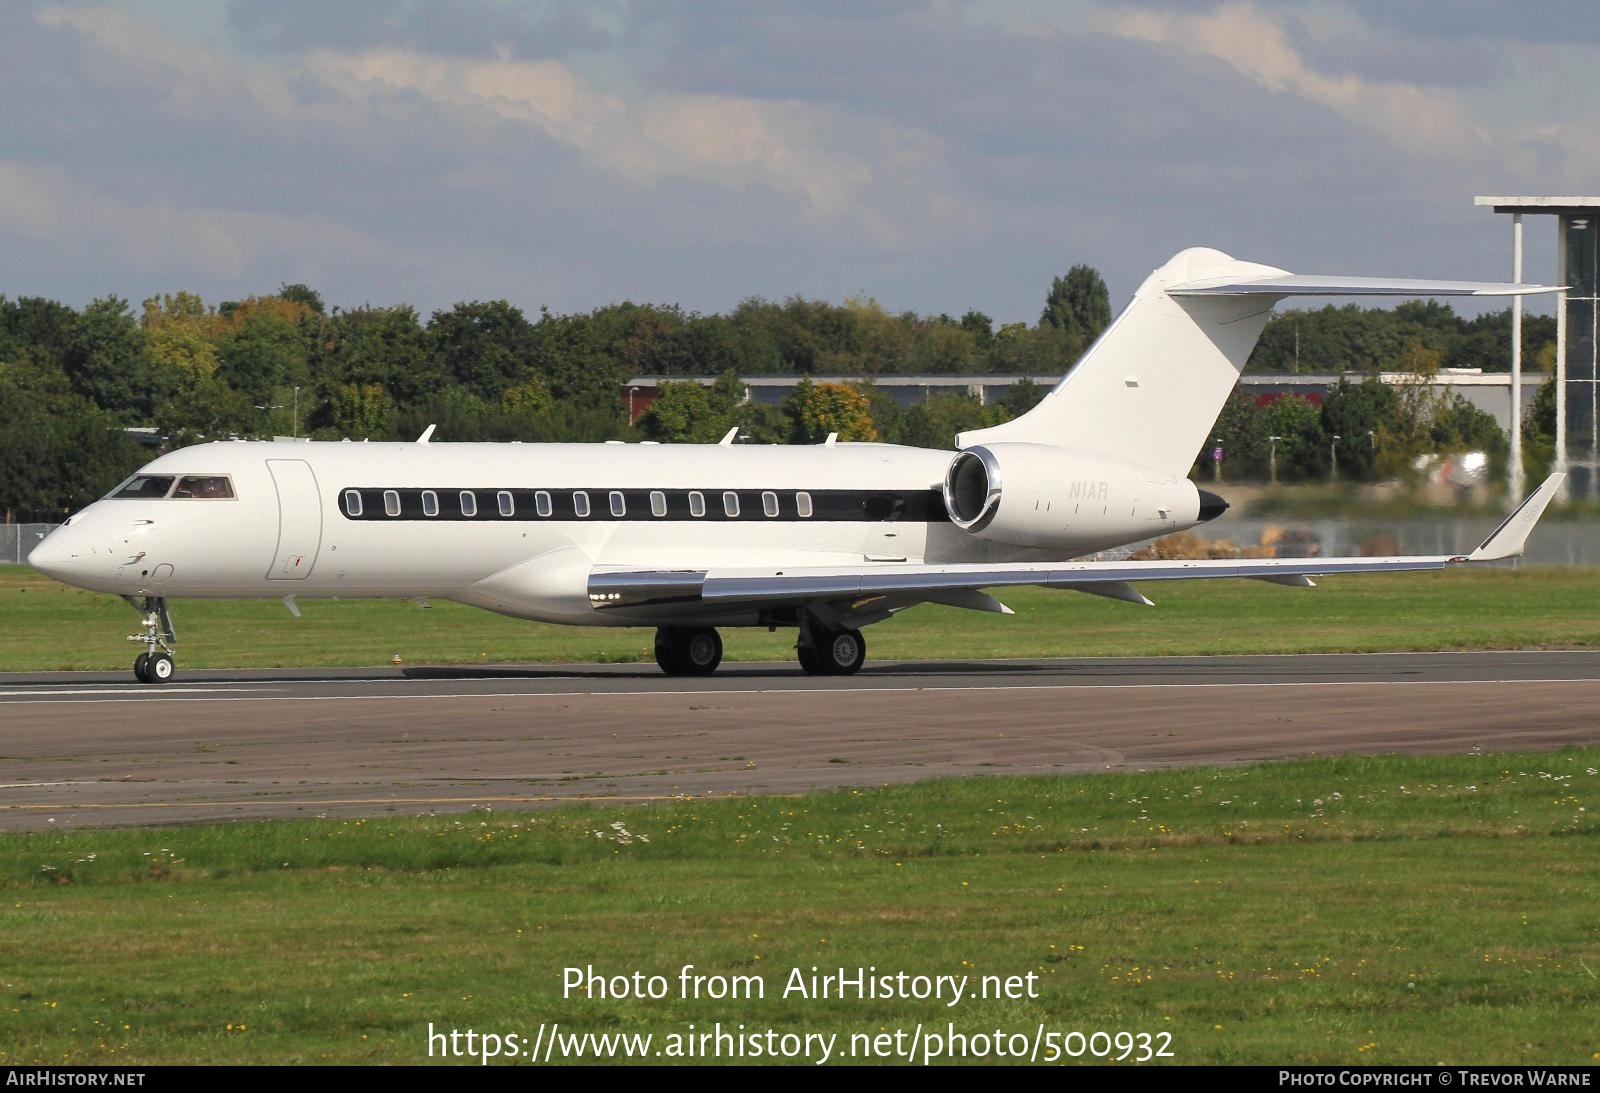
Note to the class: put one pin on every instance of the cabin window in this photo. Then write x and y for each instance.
(697, 503)
(213, 487)
(619, 504)
(147, 486)
(769, 503)
(658, 503)
(391, 502)
(730, 503)
(352, 502)
(508, 507)
(802, 504)
(430, 503)
(469, 503)
(580, 503)
(541, 503)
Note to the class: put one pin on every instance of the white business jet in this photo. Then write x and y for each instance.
(688, 538)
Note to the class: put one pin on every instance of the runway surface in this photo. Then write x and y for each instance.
(79, 749)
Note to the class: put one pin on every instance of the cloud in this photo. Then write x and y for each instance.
(926, 154)
(450, 27)
(791, 147)
(1258, 46)
(74, 224)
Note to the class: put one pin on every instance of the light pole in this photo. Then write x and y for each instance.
(1216, 461)
(1333, 456)
(1272, 456)
(296, 423)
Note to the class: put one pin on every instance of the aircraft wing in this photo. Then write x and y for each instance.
(852, 589)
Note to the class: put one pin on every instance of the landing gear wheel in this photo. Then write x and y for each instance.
(843, 652)
(810, 662)
(665, 655)
(833, 652)
(154, 665)
(688, 651)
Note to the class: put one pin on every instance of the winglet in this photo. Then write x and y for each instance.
(427, 434)
(729, 437)
(1507, 540)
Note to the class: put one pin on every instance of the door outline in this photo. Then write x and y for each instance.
(299, 519)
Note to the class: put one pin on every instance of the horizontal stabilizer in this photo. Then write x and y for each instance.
(1311, 284)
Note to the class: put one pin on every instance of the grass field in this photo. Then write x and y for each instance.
(1339, 910)
(51, 626)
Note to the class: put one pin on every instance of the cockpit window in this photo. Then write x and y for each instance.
(145, 486)
(210, 486)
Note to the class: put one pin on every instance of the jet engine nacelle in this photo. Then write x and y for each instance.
(1035, 495)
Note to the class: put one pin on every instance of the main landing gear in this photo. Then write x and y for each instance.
(697, 650)
(829, 652)
(154, 665)
(688, 650)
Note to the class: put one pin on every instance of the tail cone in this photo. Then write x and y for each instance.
(1211, 506)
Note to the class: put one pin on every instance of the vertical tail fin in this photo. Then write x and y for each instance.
(1150, 388)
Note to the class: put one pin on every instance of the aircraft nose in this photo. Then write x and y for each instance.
(56, 556)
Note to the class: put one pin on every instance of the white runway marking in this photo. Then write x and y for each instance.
(40, 785)
(164, 696)
(141, 690)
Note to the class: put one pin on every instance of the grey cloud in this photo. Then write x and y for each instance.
(1044, 150)
(460, 27)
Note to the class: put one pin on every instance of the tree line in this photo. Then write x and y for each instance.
(71, 379)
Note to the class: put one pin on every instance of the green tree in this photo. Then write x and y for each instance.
(484, 347)
(1353, 410)
(1078, 304)
(1023, 396)
(818, 409)
(1302, 447)
(934, 422)
(181, 333)
(363, 411)
(1539, 432)
(683, 413)
(264, 350)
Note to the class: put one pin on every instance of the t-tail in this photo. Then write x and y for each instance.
(1149, 389)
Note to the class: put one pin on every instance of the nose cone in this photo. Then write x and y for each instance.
(1211, 506)
(55, 556)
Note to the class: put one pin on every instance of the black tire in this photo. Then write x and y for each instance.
(699, 651)
(666, 651)
(160, 669)
(141, 664)
(809, 661)
(842, 652)
(688, 650)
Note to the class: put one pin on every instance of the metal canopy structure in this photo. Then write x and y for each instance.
(1577, 370)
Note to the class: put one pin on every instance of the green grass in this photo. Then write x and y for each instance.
(51, 626)
(1336, 910)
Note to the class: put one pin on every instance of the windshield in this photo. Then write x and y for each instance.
(204, 485)
(145, 486)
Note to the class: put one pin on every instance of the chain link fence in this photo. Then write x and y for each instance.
(16, 540)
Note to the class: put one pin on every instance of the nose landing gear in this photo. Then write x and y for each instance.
(154, 665)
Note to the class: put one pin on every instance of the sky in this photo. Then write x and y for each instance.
(936, 156)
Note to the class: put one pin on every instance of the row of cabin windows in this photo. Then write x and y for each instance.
(506, 505)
